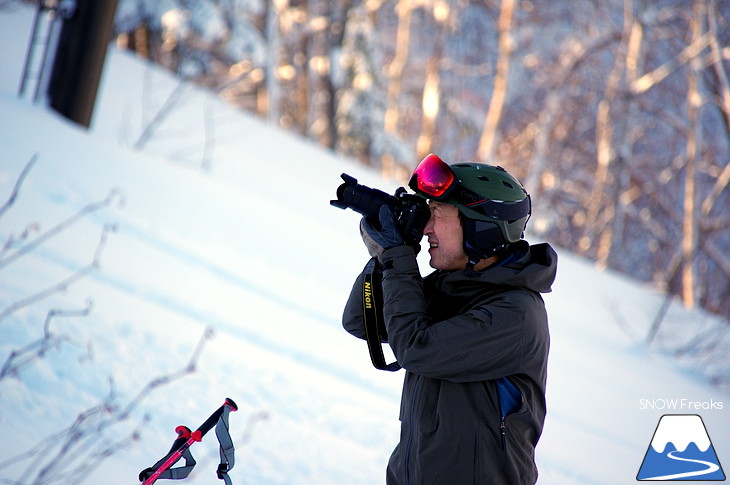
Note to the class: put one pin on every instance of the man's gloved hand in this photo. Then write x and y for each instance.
(387, 237)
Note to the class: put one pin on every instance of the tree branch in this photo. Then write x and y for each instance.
(37, 349)
(64, 284)
(651, 79)
(18, 184)
(60, 227)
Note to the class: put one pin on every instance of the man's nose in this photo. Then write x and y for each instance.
(428, 228)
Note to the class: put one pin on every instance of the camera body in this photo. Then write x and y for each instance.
(410, 211)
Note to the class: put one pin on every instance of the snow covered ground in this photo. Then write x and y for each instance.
(251, 249)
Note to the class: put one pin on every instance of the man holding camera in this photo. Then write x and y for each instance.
(472, 336)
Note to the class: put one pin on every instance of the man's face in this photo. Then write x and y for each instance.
(445, 237)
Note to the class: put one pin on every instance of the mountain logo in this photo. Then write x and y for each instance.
(681, 450)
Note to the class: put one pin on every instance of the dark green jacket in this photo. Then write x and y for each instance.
(457, 337)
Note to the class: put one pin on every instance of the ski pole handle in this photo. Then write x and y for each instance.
(213, 418)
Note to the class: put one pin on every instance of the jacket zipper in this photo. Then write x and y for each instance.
(411, 424)
(503, 432)
(501, 385)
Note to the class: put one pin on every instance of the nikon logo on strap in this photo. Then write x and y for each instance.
(368, 295)
(372, 302)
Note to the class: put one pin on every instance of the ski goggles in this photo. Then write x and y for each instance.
(436, 180)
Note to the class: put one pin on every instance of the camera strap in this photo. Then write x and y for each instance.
(372, 305)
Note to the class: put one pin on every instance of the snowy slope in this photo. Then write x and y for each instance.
(251, 249)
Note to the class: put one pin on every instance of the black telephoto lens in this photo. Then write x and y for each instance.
(362, 199)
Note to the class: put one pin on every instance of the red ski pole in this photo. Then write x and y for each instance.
(187, 438)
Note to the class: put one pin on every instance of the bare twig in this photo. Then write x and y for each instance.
(658, 319)
(18, 183)
(60, 227)
(247, 434)
(14, 241)
(209, 130)
(37, 349)
(154, 124)
(62, 285)
(103, 451)
(652, 78)
(166, 379)
(716, 52)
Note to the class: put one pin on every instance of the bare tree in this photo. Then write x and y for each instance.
(431, 97)
(395, 69)
(488, 140)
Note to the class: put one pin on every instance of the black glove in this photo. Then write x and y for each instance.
(387, 237)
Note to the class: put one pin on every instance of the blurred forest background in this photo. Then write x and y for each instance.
(615, 114)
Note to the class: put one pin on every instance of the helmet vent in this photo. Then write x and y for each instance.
(483, 178)
(507, 184)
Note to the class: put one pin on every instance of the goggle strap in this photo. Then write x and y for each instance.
(505, 211)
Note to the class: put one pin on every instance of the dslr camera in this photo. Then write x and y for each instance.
(411, 212)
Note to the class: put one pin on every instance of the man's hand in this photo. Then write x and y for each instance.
(387, 237)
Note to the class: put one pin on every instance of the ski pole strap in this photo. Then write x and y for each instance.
(372, 304)
(180, 449)
(227, 450)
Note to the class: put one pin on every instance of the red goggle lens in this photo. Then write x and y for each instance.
(433, 176)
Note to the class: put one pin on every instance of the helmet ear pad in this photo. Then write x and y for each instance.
(482, 239)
